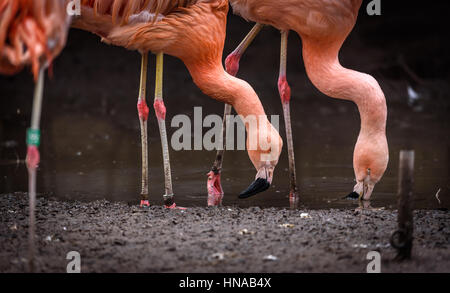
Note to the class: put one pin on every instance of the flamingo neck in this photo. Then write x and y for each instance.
(215, 82)
(263, 142)
(342, 83)
(370, 100)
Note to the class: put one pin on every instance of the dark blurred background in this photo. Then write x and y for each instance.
(91, 137)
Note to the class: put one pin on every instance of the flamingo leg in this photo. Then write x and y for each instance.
(32, 160)
(143, 111)
(160, 110)
(285, 95)
(214, 186)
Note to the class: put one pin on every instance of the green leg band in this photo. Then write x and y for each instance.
(33, 137)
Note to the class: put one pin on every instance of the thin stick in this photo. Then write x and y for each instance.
(402, 239)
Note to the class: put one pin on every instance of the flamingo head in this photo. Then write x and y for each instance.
(370, 161)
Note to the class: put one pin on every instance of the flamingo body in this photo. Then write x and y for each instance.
(323, 26)
(313, 18)
(31, 31)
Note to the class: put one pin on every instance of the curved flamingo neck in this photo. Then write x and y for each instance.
(338, 82)
(215, 82)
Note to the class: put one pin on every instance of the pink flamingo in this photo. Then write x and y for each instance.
(32, 32)
(193, 31)
(323, 26)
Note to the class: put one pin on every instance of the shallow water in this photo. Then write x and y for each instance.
(91, 138)
(91, 159)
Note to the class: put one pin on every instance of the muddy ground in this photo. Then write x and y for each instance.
(116, 237)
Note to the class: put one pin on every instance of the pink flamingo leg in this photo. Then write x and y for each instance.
(214, 186)
(143, 111)
(32, 160)
(160, 110)
(285, 95)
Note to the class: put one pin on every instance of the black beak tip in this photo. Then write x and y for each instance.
(353, 195)
(257, 186)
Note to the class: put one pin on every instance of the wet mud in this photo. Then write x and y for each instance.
(116, 237)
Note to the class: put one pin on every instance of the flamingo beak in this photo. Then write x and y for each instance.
(368, 189)
(362, 190)
(261, 183)
(353, 195)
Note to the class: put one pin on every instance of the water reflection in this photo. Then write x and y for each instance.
(87, 157)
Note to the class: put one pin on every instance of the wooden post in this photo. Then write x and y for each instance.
(402, 239)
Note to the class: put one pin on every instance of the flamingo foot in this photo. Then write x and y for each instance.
(293, 201)
(293, 195)
(293, 198)
(215, 191)
(174, 207)
(365, 205)
(145, 204)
